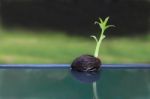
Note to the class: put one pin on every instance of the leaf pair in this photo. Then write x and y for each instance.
(103, 24)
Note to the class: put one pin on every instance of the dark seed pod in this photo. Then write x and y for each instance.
(86, 63)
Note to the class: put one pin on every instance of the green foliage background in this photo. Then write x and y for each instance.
(22, 46)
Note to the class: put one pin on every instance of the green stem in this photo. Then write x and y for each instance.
(99, 43)
(95, 90)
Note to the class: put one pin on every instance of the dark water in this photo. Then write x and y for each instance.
(55, 83)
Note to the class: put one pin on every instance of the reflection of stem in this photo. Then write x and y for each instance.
(95, 90)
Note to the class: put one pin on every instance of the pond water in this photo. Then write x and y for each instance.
(62, 83)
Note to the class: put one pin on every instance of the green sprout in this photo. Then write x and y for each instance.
(104, 26)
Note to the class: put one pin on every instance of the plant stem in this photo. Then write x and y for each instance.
(95, 90)
(99, 43)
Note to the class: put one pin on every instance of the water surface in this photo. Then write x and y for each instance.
(60, 83)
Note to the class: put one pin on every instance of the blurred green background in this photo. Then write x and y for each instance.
(58, 31)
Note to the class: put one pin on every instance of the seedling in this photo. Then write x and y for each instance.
(103, 25)
(90, 63)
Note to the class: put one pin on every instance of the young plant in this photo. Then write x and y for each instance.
(104, 26)
(90, 63)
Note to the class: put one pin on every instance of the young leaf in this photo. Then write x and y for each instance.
(94, 38)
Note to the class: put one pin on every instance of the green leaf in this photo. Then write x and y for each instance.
(103, 36)
(96, 22)
(105, 21)
(94, 38)
(101, 21)
(108, 26)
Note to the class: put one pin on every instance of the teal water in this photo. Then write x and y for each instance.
(61, 84)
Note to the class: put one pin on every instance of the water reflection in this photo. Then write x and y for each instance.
(27, 83)
(88, 77)
(125, 84)
(61, 84)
